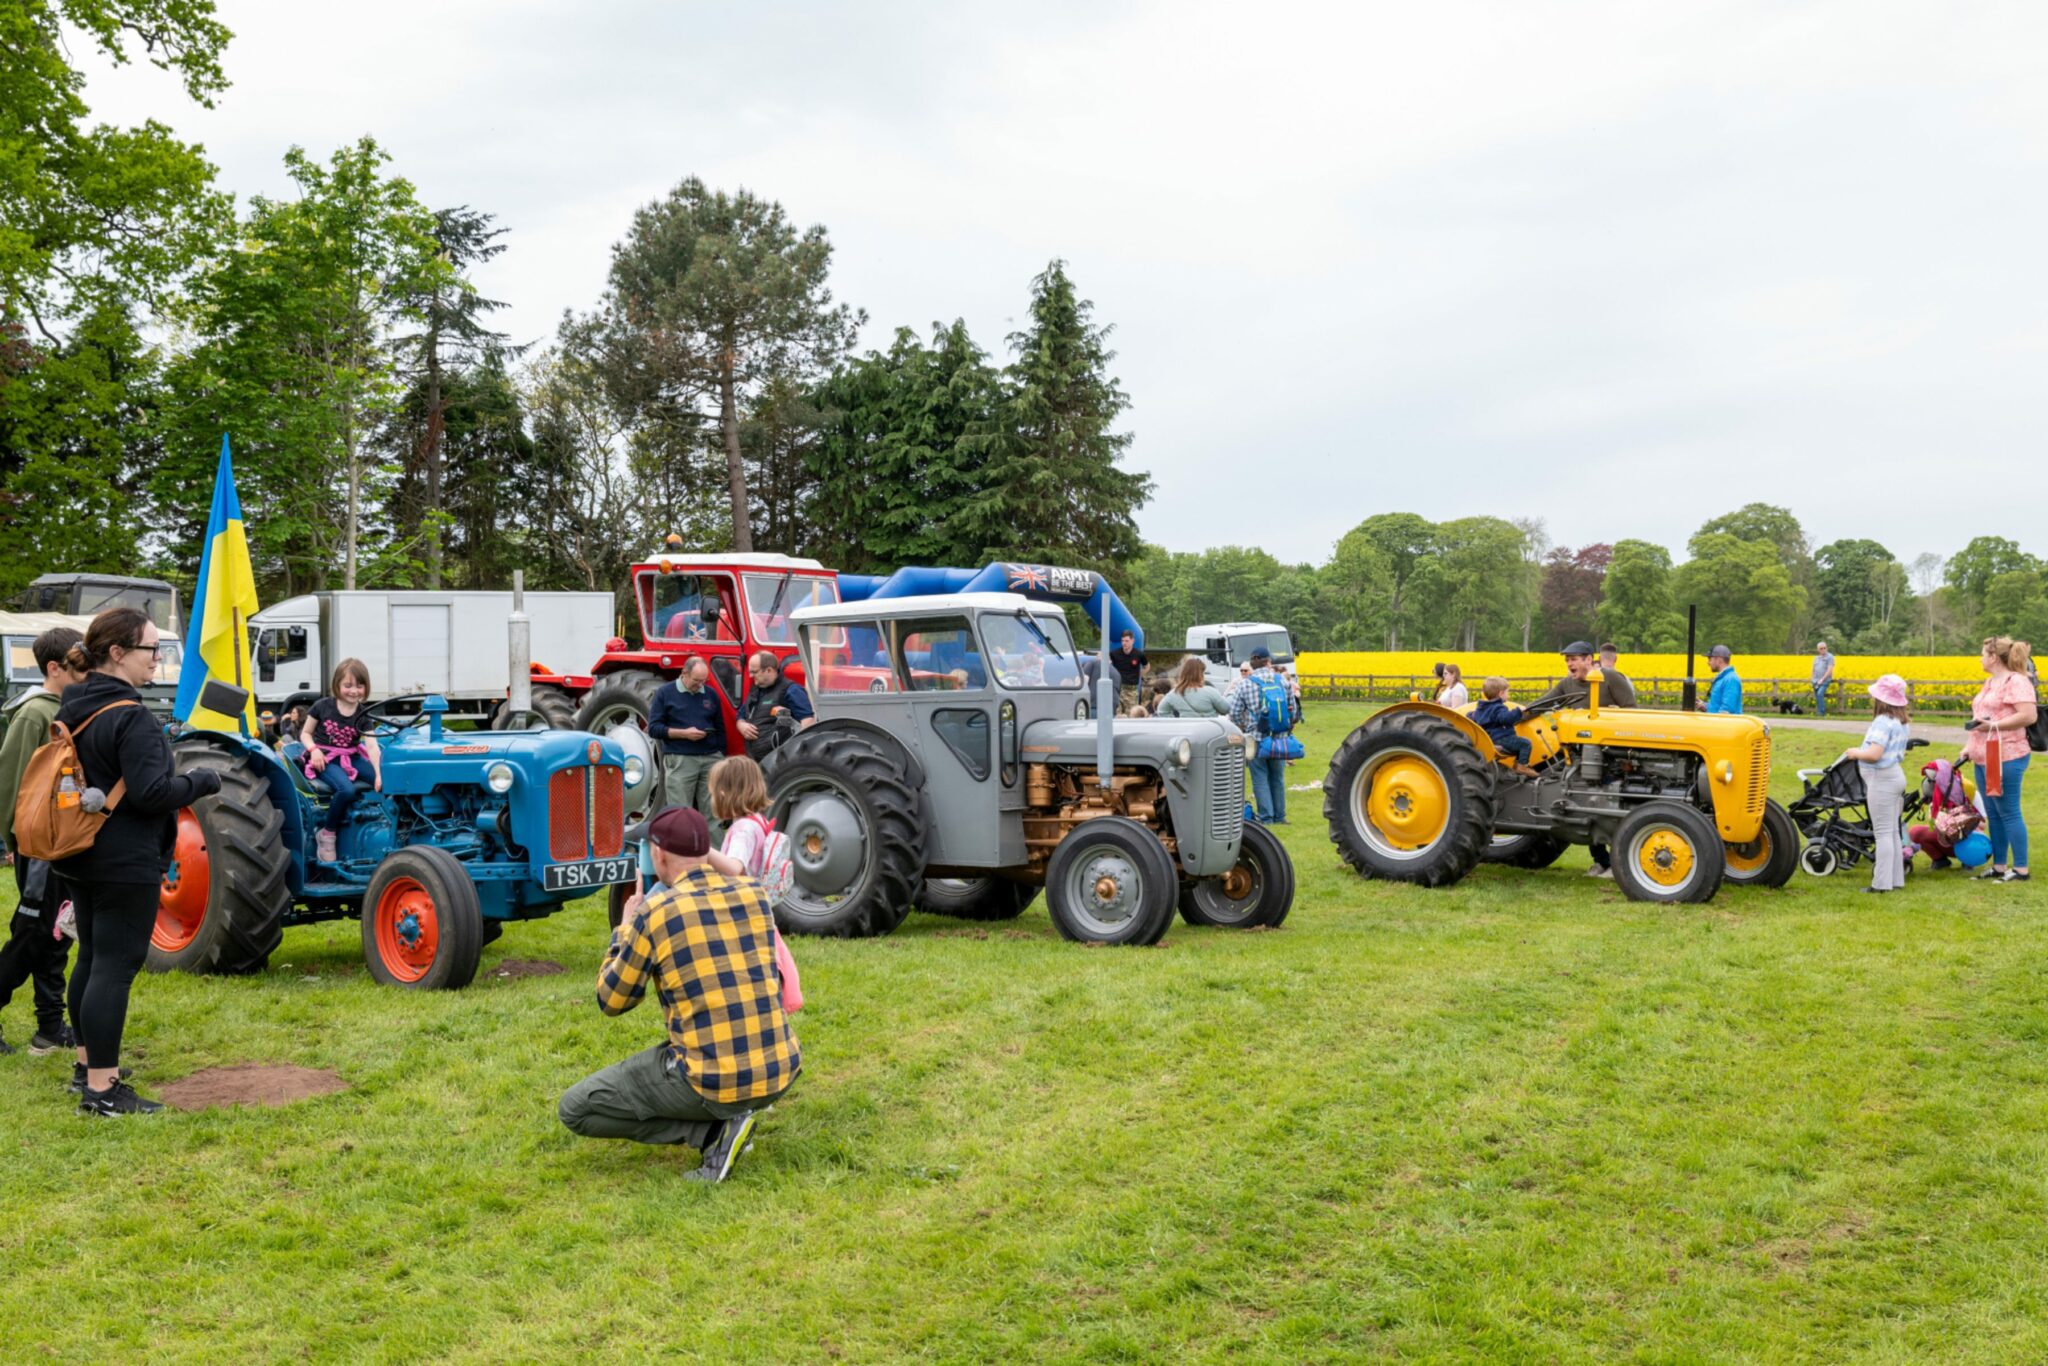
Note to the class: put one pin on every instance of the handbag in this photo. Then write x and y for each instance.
(1283, 746)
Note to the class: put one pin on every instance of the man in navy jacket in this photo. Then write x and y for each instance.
(685, 718)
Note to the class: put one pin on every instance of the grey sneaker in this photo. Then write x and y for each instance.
(725, 1149)
(42, 1045)
(1600, 870)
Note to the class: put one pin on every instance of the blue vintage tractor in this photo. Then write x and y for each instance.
(471, 830)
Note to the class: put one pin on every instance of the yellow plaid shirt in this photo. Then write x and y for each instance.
(708, 945)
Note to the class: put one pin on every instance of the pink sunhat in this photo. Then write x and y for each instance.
(1890, 690)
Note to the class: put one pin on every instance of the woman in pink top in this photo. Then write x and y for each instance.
(1997, 745)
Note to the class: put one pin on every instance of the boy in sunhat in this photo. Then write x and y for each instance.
(706, 941)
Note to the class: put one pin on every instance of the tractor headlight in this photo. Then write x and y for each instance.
(498, 777)
(1183, 752)
(1081, 709)
(635, 770)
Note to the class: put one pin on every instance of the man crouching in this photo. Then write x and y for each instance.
(707, 942)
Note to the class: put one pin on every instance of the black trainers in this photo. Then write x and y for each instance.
(117, 1100)
(725, 1149)
(77, 1086)
(43, 1044)
(5, 1048)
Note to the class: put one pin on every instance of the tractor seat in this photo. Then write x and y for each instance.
(294, 755)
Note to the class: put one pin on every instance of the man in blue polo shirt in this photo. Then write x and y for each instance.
(685, 717)
(1725, 696)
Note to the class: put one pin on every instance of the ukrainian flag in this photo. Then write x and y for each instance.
(217, 633)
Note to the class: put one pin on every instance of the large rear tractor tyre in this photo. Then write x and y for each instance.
(553, 709)
(626, 696)
(976, 898)
(1771, 858)
(1408, 798)
(1531, 851)
(1257, 893)
(222, 905)
(422, 925)
(846, 800)
(1111, 881)
(1667, 851)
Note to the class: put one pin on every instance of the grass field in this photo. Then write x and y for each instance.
(1520, 1120)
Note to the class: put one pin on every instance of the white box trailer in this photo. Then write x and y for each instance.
(456, 644)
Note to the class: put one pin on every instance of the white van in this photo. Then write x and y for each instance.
(1225, 645)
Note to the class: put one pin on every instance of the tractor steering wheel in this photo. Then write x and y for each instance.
(383, 725)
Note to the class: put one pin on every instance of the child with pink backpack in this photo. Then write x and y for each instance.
(754, 848)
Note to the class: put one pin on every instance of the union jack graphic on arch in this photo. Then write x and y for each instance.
(1024, 577)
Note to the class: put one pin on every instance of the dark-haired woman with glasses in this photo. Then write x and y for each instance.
(115, 883)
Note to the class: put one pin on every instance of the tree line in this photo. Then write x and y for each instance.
(1398, 581)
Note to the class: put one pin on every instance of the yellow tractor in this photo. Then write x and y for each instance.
(1420, 793)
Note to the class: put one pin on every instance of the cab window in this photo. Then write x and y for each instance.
(772, 597)
(848, 657)
(940, 655)
(279, 645)
(1031, 651)
(688, 607)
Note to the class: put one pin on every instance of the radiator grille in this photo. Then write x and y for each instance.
(1226, 795)
(608, 811)
(568, 839)
(1759, 773)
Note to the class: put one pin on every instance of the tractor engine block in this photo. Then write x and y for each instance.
(1639, 773)
(1059, 798)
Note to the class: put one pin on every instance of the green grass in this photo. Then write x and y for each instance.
(1519, 1120)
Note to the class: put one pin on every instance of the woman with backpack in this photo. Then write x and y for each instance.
(122, 752)
(1191, 694)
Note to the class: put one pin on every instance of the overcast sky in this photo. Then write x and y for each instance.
(1619, 266)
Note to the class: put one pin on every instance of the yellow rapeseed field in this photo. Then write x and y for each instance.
(1949, 677)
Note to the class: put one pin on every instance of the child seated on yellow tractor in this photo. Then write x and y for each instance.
(1499, 720)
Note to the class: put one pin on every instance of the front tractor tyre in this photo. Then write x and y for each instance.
(1111, 881)
(618, 699)
(223, 900)
(1408, 798)
(1256, 893)
(975, 898)
(422, 925)
(1771, 858)
(847, 802)
(1667, 851)
(553, 709)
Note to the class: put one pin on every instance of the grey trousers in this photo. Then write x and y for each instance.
(641, 1099)
(686, 781)
(1885, 789)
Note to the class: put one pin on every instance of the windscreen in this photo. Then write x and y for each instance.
(1277, 643)
(772, 597)
(1031, 651)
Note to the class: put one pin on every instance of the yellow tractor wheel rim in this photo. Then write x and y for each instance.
(1752, 862)
(1409, 803)
(1665, 857)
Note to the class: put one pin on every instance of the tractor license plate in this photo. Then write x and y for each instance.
(567, 877)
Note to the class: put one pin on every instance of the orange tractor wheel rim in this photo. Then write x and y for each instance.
(187, 883)
(1749, 858)
(408, 929)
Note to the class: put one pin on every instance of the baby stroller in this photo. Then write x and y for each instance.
(1834, 816)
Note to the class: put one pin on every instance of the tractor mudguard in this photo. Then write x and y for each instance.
(283, 793)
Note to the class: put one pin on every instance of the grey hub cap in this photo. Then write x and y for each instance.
(827, 849)
(1105, 889)
(1235, 896)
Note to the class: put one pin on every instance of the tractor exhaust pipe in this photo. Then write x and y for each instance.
(1689, 693)
(519, 632)
(1105, 709)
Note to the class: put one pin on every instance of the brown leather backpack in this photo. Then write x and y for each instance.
(50, 821)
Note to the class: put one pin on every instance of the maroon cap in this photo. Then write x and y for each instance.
(679, 829)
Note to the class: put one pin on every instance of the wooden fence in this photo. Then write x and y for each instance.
(1764, 697)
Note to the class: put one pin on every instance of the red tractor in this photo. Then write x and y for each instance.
(720, 608)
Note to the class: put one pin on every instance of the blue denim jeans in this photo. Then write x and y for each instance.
(2002, 818)
(1269, 789)
(1820, 699)
(345, 790)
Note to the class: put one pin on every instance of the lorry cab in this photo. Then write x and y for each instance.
(1227, 645)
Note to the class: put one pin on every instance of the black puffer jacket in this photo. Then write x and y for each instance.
(135, 844)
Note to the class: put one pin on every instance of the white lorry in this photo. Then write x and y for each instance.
(454, 644)
(1225, 645)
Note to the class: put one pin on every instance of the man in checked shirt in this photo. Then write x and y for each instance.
(707, 943)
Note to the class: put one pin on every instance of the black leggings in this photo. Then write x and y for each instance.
(114, 923)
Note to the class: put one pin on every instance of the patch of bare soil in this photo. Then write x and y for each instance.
(527, 967)
(267, 1084)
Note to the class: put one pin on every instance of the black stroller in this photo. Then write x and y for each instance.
(1834, 816)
